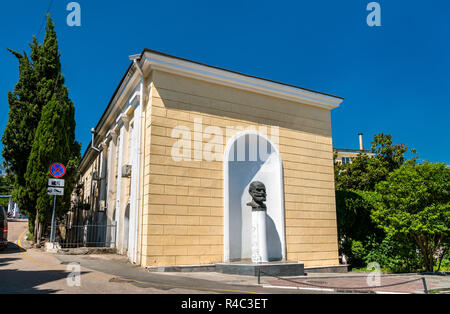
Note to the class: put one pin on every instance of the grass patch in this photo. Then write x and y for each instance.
(364, 269)
(29, 237)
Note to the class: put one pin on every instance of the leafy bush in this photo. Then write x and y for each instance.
(358, 252)
(395, 255)
(391, 211)
(414, 208)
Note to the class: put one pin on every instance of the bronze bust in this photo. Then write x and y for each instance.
(258, 192)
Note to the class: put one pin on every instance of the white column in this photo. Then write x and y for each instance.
(259, 237)
(119, 184)
(10, 205)
(112, 153)
(118, 181)
(103, 172)
(16, 210)
(135, 172)
(133, 206)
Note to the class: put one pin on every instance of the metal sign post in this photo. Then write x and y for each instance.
(55, 187)
(52, 231)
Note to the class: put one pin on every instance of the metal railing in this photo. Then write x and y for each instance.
(87, 236)
(365, 288)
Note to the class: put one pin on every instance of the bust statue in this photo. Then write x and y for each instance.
(257, 191)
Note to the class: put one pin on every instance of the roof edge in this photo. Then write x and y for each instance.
(238, 73)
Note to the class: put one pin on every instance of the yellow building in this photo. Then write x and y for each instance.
(172, 158)
(345, 155)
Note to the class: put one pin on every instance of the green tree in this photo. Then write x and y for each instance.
(39, 91)
(414, 202)
(388, 156)
(355, 226)
(354, 184)
(24, 115)
(6, 188)
(54, 139)
(365, 171)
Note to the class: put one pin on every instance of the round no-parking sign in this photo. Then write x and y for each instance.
(57, 170)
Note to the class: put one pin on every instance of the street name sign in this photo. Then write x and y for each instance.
(55, 191)
(58, 183)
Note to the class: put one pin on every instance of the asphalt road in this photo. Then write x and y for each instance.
(30, 270)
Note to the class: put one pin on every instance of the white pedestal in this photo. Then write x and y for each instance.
(259, 238)
(52, 247)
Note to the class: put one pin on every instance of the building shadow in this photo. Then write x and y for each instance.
(7, 261)
(273, 241)
(15, 281)
(12, 248)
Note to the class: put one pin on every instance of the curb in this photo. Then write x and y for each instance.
(86, 251)
(333, 290)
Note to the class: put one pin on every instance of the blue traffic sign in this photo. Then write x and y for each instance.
(57, 170)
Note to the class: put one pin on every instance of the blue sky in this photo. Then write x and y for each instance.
(395, 78)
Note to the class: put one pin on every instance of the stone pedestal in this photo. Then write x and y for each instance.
(278, 268)
(259, 237)
(52, 247)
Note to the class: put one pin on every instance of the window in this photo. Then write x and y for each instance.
(346, 160)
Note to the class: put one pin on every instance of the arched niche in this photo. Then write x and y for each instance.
(251, 156)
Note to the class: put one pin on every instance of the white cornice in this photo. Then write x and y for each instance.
(134, 100)
(104, 144)
(124, 119)
(111, 135)
(240, 81)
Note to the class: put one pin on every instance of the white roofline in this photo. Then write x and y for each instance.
(223, 77)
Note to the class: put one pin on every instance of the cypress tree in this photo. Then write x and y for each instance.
(40, 129)
(54, 139)
(54, 142)
(18, 136)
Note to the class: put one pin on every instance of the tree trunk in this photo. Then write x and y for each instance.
(428, 257)
(440, 259)
(424, 249)
(431, 260)
(39, 235)
(36, 228)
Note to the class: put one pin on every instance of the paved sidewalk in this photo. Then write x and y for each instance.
(111, 273)
(352, 282)
(361, 282)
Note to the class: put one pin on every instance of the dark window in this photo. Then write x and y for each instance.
(346, 160)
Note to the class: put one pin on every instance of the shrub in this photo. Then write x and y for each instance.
(394, 255)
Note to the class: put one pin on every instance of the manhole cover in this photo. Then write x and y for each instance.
(316, 282)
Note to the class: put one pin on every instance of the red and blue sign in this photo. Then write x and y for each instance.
(57, 170)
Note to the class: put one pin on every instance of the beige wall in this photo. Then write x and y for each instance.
(183, 206)
(86, 179)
